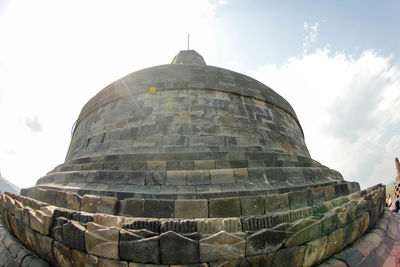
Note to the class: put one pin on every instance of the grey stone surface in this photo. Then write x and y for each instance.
(133, 247)
(178, 249)
(224, 207)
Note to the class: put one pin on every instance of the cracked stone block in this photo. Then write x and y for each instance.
(41, 220)
(222, 246)
(74, 235)
(178, 249)
(265, 241)
(306, 234)
(134, 247)
(62, 254)
(102, 241)
(315, 250)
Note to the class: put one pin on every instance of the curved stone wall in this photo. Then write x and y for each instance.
(301, 236)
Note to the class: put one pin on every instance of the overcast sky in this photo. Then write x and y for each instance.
(336, 62)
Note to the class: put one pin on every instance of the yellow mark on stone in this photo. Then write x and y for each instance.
(152, 89)
(180, 114)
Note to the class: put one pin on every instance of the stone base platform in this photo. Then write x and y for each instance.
(295, 236)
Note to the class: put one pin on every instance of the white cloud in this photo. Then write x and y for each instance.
(311, 34)
(348, 109)
(223, 2)
(34, 124)
(56, 55)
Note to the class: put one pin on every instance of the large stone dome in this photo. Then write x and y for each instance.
(192, 165)
(187, 130)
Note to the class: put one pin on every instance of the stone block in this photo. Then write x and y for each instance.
(222, 176)
(329, 192)
(334, 243)
(133, 207)
(222, 246)
(241, 175)
(72, 201)
(277, 202)
(191, 208)
(90, 203)
(203, 164)
(364, 223)
(300, 199)
(224, 207)
(45, 248)
(293, 256)
(40, 221)
(198, 177)
(341, 190)
(176, 178)
(306, 234)
(74, 235)
(252, 205)
(185, 165)
(329, 223)
(62, 254)
(222, 164)
(102, 241)
(156, 178)
(178, 249)
(108, 220)
(158, 208)
(314, 251)
(101, 204)
(265, 241)
(135, 248)
(318, 195)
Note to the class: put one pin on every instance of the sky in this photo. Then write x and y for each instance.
(336, 62)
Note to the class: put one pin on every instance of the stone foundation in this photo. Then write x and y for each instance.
(300, 231)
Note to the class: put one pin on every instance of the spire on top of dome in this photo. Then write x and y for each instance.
(189, 57)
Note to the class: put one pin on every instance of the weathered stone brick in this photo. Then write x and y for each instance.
(222, 246)
(176, 178)
(277, 202)
(132, 207)
(158, 208)
(191, 208)
(265, 241)
(252, 205)
(222, 176)
(156, 165)
(224, 207)
(178, 249)
(203, 164)
(102, 241)
(198, 177)
(136, 248)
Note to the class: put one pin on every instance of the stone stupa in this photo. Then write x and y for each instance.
(187, 163)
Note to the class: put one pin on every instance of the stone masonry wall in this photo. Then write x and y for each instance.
(300, 236)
